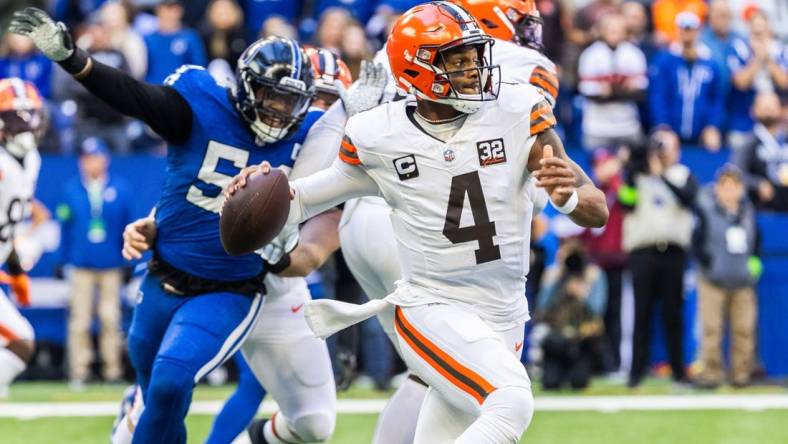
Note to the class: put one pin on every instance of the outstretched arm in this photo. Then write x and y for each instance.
(562, 178)
(161, 107)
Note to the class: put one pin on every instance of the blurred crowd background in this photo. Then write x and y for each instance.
(676, 108)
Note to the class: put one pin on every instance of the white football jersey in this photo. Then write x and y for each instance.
(17, 185)
(458, 211)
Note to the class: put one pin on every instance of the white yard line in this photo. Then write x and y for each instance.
(29, 410)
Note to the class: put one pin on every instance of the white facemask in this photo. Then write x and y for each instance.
(21, 144)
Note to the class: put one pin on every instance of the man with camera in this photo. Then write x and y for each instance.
(657, 231)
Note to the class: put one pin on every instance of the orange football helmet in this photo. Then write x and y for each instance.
(416, 47)
(515, 20)
(327, 68)
(22, 116)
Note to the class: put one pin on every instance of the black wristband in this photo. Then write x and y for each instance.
(280, 266)
(76, 63)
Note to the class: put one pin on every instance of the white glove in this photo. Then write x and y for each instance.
(367, 91)
(52, 39)
(282, 244)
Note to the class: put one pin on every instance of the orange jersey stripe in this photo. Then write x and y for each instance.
(347, 146)
(8, 334)
(542, 109)
(545, 85)
(548, 76)
(464, 378)
(541, 125)
(350, 159)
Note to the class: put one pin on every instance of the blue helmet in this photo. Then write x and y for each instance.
(274, 87)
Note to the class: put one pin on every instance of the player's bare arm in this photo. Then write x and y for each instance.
(560, 176)
(319, 239)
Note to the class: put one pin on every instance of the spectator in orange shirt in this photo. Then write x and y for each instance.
(664, 13)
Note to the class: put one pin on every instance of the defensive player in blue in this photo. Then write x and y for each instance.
(196, 304)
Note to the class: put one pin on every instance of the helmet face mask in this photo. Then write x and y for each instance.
(464, 77)
(528, 32)
(274, 88)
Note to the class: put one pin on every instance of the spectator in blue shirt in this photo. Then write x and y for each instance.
(95, 209)
(258, 11)
(361, 10)
(172, 45)
(25, 62)
(685, 94)
(757, 65)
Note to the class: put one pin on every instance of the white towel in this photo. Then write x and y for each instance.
(326, 316)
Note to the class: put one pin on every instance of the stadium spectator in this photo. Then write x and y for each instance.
(222, 31)
(656, 233)
(764, 160)
(586, 18)
(93, 116)
(571, 303)
(664, 14)
(330, 28)
(613, 78)
(685, 94)
(256, 12)
(775, 10)
(172, 45)
(361, 10)
(605, 249)
(760, 64)
(278, 27)
(354, 48)
(115, 16)
(95, 209)
(725, 242)
(636, 18)
(23, 61)
(718, 36)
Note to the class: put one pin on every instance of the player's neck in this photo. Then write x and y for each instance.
(436, 112)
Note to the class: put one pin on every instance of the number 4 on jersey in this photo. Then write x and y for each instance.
(482, 230)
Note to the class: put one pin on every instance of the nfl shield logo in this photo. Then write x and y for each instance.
(448, 155)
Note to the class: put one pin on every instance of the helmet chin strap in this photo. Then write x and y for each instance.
(21, 144)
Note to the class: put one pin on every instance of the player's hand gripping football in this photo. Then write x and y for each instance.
(239, 181)
(555, 176)
(138, 237)
(52, 39)
(367, 91)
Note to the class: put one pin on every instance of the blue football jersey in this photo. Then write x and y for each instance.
(221, 143)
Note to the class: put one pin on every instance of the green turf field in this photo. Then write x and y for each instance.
(695, 427)
(581, 427)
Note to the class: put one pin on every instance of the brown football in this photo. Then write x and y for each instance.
(255, 214)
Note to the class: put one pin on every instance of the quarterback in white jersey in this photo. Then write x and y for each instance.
(365, 231)
(21, 122)
(453, 165)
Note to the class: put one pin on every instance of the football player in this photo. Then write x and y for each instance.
(281, 340)
(453, 163)
(22, 121)
(516, 26)
(197, 304)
